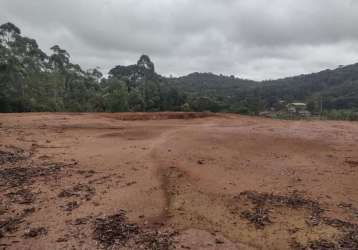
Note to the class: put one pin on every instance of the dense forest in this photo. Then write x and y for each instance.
(31, 80)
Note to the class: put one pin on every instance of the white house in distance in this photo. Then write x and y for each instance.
(298, 108)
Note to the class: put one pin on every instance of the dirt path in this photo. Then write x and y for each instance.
(193, 181)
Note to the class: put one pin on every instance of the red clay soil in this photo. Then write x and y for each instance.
(176, 180)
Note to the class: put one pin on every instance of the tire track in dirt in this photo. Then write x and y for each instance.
(160, 170)
(175, 181)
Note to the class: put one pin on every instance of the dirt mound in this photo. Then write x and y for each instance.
(158, 116)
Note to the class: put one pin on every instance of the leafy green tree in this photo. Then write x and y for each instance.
(60, 58)
(312, 106)
(186, 107)
(152, 96)
(116, 96)
(135, 100)
(201, 104)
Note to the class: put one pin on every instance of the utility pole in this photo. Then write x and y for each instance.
(321, 106)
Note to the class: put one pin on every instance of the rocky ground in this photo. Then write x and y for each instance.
(176, 181)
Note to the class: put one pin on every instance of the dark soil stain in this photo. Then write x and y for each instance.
(22, 196)
(260, 214)
(35, 232)
(116, 230)
(10, 225)
(11, 157)
(70, 206)
(82, 191)
(20, 176)
(259, 217)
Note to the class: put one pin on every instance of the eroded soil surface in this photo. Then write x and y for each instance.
(176, 181)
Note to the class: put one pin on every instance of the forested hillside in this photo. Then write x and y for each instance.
(336, 89)
(31, 80)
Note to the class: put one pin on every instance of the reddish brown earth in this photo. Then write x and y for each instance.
(184, 181)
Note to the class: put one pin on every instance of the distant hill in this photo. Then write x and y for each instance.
(337, 88)
(211, 84)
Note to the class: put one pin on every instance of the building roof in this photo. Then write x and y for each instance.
(298, 104)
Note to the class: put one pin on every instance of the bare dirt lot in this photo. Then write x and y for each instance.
(176, 181)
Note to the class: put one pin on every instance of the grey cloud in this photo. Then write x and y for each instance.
(298, 22)
(256, 39)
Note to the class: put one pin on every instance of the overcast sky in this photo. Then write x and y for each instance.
(256, 39)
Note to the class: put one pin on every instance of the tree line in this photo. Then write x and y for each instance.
(32, 81)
